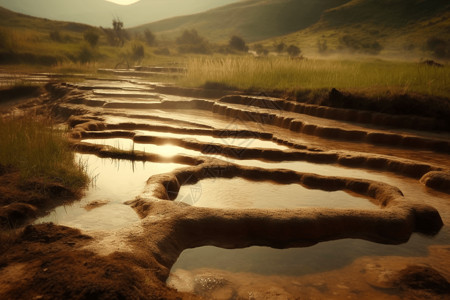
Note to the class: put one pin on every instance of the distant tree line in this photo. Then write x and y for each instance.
(291, 50)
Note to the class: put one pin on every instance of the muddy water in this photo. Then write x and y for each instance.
(322, 257)
(114, 182)
(240, 193)
(342, 269)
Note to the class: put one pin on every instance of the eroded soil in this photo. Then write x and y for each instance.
(398, 163)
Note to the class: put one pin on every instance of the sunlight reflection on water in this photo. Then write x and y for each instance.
(114, 182)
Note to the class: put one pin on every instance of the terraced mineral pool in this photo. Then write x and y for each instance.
(242, 193)
(114, 182)
(219, 273)
(109, 85)
(226, 140)
(128, 93)
(411, 188)
(167, 150)
(258, 268)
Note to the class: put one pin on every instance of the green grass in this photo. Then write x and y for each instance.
(39, 150)
(282, 73)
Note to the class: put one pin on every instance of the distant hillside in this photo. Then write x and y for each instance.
(388, 13)
(399, 26)
(252, 19)
(36, 41)
(17, 21)
(101, 12)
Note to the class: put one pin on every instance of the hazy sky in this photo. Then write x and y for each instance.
(124, 2)
(101, 12)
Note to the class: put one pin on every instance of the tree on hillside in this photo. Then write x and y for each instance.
(191, 42)
(237, 43)
(280, 47)
(293, 51)
(117, 35)
(189, 37)
(119, 31)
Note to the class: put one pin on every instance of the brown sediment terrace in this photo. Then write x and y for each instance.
(393, 223)
(99, 110)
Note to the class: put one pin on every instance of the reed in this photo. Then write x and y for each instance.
(282, 73)
(39, 149)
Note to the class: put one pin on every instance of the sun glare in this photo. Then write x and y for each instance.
(123, 2)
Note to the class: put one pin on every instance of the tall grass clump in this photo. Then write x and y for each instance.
(40, 151)
(282, 73)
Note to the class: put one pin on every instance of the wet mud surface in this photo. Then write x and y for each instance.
(240, 197)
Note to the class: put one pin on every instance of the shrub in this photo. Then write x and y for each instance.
(191, 42)
(137, 52)
(237, 43)
(293, 51)
(189, 37)
(86, 55)
(150, 38)
(279, 48)
(91, 37)
(55, 36)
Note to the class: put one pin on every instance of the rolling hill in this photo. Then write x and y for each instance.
(366, 26)
(101, 12)
(252, 19)
(28, 40)
(400, 27)
(18, 21)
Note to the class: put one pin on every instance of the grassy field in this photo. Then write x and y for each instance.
(39, 151)
(27, 44)
(282, 73)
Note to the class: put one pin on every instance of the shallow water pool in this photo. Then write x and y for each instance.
(114, 182)
(225, 140)
(167, 150)
(242, 193)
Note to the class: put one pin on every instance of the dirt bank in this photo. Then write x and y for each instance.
(22, 201)
(49, 261)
